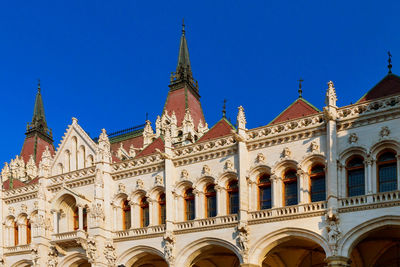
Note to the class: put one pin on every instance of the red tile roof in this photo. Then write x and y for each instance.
(297, 109)
(389, 85)
(16, 183)
(151, 149)
(32, 143)
(178, 100)
(137, 142)
(222, 128)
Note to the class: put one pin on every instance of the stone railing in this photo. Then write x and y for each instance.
(201, 223)
(288, 211)
(69, 235)
(140, 231)
(18, 249)
(372, 199)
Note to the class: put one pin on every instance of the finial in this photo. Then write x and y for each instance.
(38, 86)
(183, 26)
(224, 109)
(300, 90)
(390, 62)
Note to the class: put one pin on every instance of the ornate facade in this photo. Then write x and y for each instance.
(311, 188)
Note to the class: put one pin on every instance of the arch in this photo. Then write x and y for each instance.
(62, 196)
(203, 182)
(345, 155)
(81, 157)
(73, 260)
(156, 191)
(181, 186)
(265, 244)
(311, 160)
(137, 195)
(89, 161)
(23, 263)
(385, 144)
(284, 164)
(226, 177)
(355, 235)
(191, 251)
(129, 256)
(258, 170)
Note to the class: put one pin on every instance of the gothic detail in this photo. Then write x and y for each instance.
(286, 153)
(314, 147)
(243, 239)
(260, 158)
(241, 118)
(206, 170)
(169, 247)
(331, 98)
(353, 138)
(52, 257)
(158, 181)
(384, 131)
(103, 151)
(109, 254)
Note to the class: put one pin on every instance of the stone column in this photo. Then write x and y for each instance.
(152, 214)
(55, 221)
(303, 187)
(135, 215)
(115, 221)
(369, 179)
(199, 203)
(80, 217)
(338, 261)
(342, 180)
(220, 201)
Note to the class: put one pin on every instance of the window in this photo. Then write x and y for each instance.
(290, 186)
(355, 177)
(28, 231)
(15, 226)
(76, 218)
(387, 172)
(211, 201)
(144, 212)
(162, 210)
(233, 197)
(189, 205)
(84, 219)
(264, 192)
(126, 215)
(317, 177)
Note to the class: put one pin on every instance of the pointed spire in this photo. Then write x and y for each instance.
(300, 90)
(39, 119)
(390, 62)
(224, 109)
(183, 57)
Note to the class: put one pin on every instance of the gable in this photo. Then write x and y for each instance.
(221, 128)
(151, 148)
(389, 85)
(76, 151)
(299, 108)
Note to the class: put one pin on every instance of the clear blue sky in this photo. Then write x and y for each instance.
(108, 62)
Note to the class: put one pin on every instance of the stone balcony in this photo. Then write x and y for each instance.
(19, 249)
(207, 223)
(69, 239)
(371, 201)
(140, 232)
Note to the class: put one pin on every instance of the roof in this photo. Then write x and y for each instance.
(222, 128)
(136, 141)
(151, 148)
(299, 108)
(35, 145)
(16, 183)
(389, 85)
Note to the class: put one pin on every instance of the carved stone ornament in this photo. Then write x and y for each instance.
(314, 147)
(35, 255)
(45, 163)
(17, 167)
(353, 138)
(169, 247)
(89, 245)
(206, 170)
(2, 262)
(158, 180)
(121, 188)
(6, 172)
(330, 114)
(384, 131)
(201, 129)
(184, 175)
(52, 257)
(139, 184)
(331, 97)
(24, 208)
(110, 255)
(11, 210)
(97, 212)
(260, 158)
(132, 151)
(228, 165)
(241, 118)
(243, 238)
(286, 153)
(103, 151)
(31, 169)
(332, 229)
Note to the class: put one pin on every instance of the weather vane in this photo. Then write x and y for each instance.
(390, 62)
(38, 86)
(183, 26)
(224, 109)
(300, 90)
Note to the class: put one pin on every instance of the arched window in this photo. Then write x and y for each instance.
(126, 215)
(144, 212)
(85, 219)
(290, 187)
(317, 181)
(189, 205)
(16, 233)
(387, 172)
(76, 218)
(233, 197)
(264, 192)
(28, 231)
(211, 201)
(162, 210)
(355, 177)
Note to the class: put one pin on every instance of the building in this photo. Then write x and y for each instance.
(310, 188)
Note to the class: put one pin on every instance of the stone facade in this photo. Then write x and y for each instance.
(193, 196)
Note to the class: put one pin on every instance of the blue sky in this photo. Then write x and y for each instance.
(108, 62)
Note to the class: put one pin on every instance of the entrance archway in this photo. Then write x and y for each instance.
(378, 248)
(296, 252)
(214, 256)
(147, 260)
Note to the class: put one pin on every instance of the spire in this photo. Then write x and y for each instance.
(224, 109)
(300, 90)
(39, 119)
(183, 69)
(390, 62)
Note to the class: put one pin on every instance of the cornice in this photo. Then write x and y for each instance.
(74, 175)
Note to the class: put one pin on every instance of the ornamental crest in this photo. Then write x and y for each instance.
(384, 131)
(353, 138)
